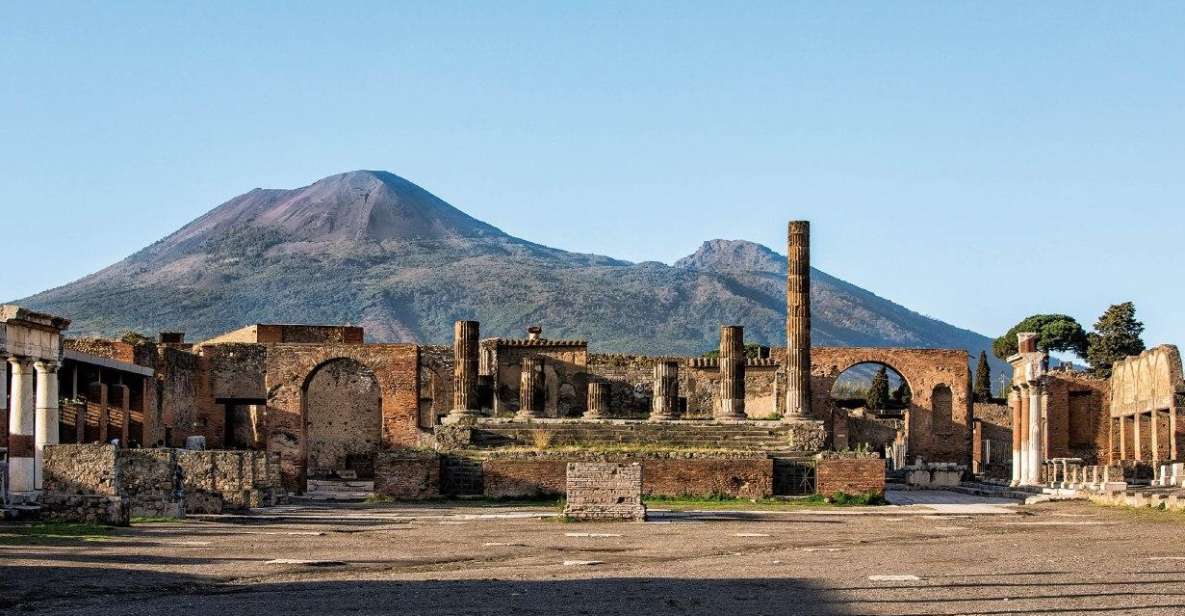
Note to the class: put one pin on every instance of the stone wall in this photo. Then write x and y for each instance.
(436, 384)
(343, 419)
(1078, 417)
(152, 482)
(599, 491)
(995, 426)
(565, 374)
(849, 475)
(806, 436)
(214, 481)
(545, 473)
(81, 483)
(407, 474)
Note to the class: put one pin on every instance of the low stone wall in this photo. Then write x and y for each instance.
(934, 476)
(81, 483)
(545, 474)
(850, 475)
(217, 480)
(604, 491)
(152, 482)
(407, 475)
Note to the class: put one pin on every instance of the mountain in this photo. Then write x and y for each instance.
(373, 249)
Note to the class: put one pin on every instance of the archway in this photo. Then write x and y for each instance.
(874, 398)
(343, 419)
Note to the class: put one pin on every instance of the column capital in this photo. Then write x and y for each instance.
(20, 363)
(47, 365)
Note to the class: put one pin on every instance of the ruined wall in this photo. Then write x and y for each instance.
(671, 474)
(214, 481)
(565, 378)
(436, 378)
(289, 368)
(180, 383)
(1077, 417)
(849, 475)
(941, 432)
(343, 419)
(600, 491)
(81, 483)
(151, 481)
(407, 474)
(280, 334)
(995, 426)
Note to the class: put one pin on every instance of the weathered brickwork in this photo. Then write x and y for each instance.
(544, 474)
(849, 475)
(407, 474)
(564, 374)
(1077, 416)
(216, 481)
(82, 484)
(600, 491)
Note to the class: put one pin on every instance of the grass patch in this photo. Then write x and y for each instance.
(51, 533)
(148, 519)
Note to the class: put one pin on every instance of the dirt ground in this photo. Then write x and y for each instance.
(1057, 558)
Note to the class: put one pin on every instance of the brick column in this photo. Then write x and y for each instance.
(21, 473)
(598, 400)
(466, 347)
(530, 388)
(125, 422)
(665, 404)
(798, 320)
(732, 373)
(47, 414)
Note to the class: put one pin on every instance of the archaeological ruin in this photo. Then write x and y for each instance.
(271, 410)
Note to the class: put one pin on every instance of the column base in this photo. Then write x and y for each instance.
(730, 410)
(661, 417)
(527, 416)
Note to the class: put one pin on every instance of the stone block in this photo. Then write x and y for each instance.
(604, 491)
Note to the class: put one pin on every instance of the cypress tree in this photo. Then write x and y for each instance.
(1116, 335)
(878, 393)
(983, 379)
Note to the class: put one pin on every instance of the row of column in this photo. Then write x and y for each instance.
(32, 419)
(1028, 429)
(1153, 435)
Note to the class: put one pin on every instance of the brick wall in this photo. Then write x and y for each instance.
(407, 475)
(850, 476)
(604, 491)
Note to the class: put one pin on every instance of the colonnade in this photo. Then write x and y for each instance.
(32, 419)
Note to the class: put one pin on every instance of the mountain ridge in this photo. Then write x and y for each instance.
(374, 249)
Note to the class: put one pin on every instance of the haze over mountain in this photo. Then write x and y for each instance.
(373, 249)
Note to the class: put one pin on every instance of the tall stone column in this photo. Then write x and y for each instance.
(732, 373)
(798, 320)
(21, 473)
(530, 388)
(1016, 442)
(1023, 428)
(598, 400)
(4, 398)
(47, 414)
(1036, 455)
(466, 347)
(665, 404)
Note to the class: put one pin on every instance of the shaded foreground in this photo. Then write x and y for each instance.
(1067, 558)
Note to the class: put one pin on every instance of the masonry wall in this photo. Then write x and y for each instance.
(407, 474)
(81, 483)
(850, 475)
(436, 384)
(565, 374)
(546, 475)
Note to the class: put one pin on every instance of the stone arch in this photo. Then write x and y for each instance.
(342, 412)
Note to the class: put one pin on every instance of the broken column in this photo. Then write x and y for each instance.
(798, 320)
(598, 400)
(466, 346)
(732, 373)
(665, 403)
(530, 388)
(21, 420)
(47, 414)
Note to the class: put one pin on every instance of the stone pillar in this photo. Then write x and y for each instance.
(466, 346)
(530, 388)
(665, 404)
(798, 320)
(1154, 435)
(1036, 455)
(47, 414)
(732, 373)
(1137, 446)
(1023, 428)
(598, 400)
(1016, 442)
(1173, 433)
(1122, 438)
(4, 399)
(21, 456)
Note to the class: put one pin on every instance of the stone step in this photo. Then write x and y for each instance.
(337, 490)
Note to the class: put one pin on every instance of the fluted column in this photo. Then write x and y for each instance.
(798, 320)
(47, 414)
(732, 373)
(21, 422)
(665, 404)
(1036, 455)
(530, 388)
(598, 400)
(466, 346)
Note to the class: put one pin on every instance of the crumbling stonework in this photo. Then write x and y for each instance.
(850, 474)
(407, 474)
(82, 484)
(599, 491)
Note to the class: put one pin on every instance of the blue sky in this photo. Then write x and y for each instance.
(977, 162)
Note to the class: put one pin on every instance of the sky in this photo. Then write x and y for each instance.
(976, 162)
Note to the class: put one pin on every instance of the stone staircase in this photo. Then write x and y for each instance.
(1026, 494)
(342, 490)
(774, 439)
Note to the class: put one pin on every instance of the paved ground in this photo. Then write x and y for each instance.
(1057, 558)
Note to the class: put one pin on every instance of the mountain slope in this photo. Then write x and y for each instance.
(374, 249)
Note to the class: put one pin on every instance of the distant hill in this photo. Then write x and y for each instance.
(373, 249)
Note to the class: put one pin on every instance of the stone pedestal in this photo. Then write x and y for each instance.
(732, 373)
(530, 389)
(598, 400)
(798, 320)
(665, 404)
(466, 346)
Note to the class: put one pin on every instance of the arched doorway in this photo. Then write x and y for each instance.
(875, 398)
(342, 418)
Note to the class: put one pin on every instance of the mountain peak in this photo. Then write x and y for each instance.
(730, 256)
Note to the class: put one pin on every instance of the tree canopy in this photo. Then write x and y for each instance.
(1116, 335)
(1055, 332)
